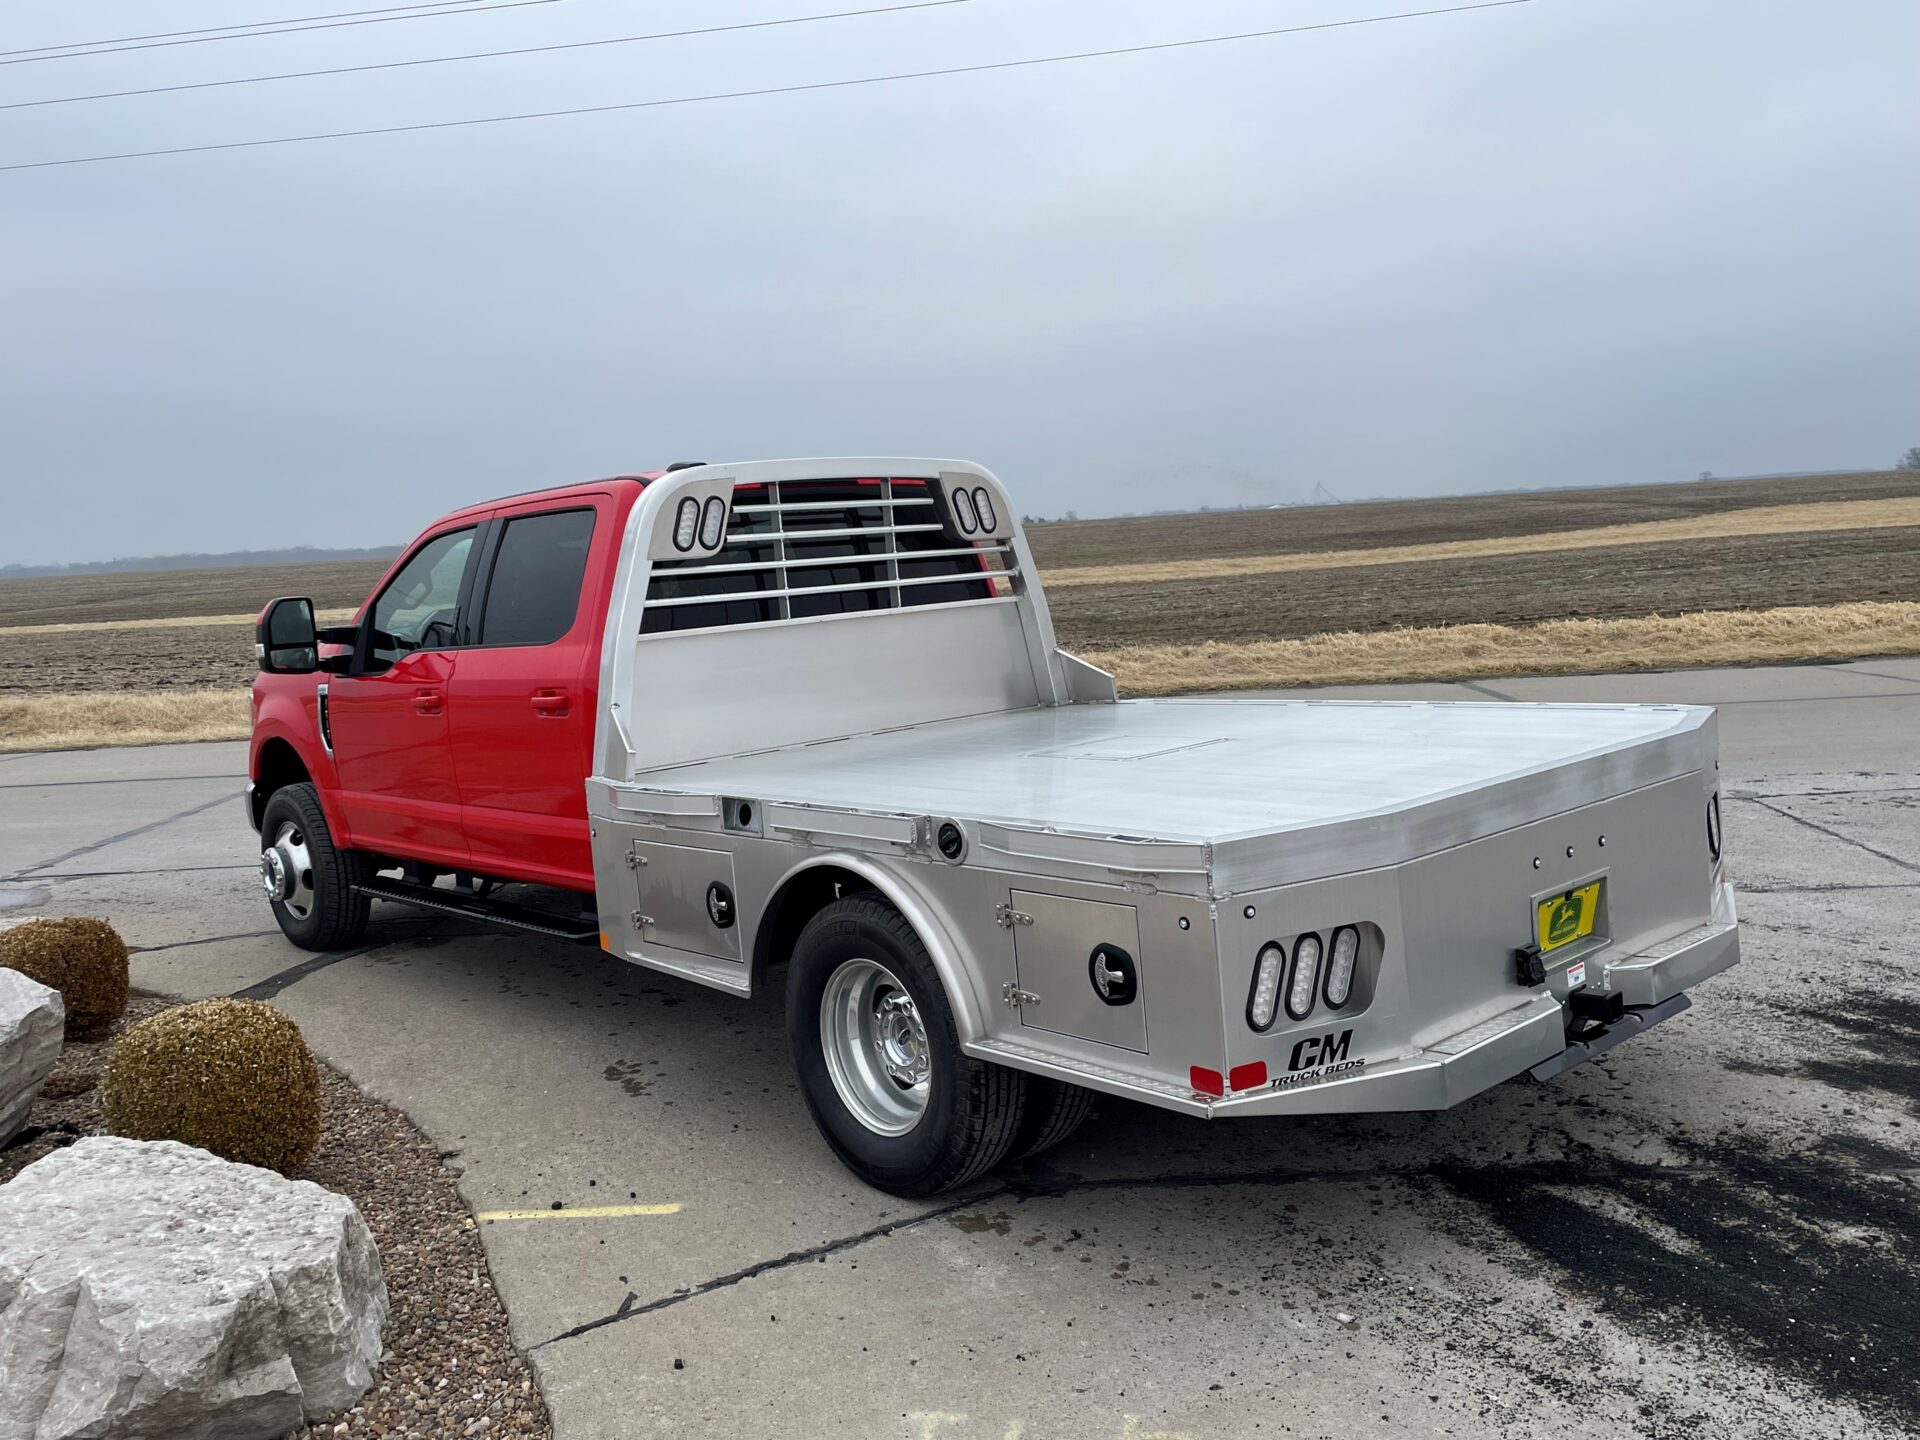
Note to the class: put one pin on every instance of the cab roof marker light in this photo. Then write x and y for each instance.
(713, 523)
(1346, 951)
(686, 523)
(1263, 999)
(964, 513)
(1306, 977)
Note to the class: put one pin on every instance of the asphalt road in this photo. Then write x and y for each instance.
(1710, 1232)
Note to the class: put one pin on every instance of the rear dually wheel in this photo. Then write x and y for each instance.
(879, 1057)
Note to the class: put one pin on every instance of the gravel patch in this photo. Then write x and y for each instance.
(450, 1369)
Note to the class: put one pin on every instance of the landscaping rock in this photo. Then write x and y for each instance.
(148, 1290)
(32, 1022)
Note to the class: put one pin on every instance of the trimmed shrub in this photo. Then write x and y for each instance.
(84, 959)
(231, 1076)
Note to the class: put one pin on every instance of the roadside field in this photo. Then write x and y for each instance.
(162, 594)
(1399, 589)
(1733, 573)
(1423, 522)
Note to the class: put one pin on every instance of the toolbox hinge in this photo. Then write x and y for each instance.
(1006, 917)
(1015, 997)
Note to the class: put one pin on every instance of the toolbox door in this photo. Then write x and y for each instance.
(686, 899)
(1081, 959)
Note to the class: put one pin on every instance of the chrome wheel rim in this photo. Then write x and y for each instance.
(286, 870)
(876, 1046)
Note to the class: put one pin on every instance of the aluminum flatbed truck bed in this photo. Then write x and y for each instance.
(1218, 906)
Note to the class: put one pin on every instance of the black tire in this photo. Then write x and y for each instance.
(973, 1109)
(337, 914)
(1055, 1109)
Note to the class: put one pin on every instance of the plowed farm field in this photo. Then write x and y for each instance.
(1235, 578)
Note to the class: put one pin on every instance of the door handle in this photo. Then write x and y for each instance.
(551, 702)
(427, 702)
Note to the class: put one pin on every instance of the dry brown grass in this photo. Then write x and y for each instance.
(1762, 520)
(121, 717)
(1558, 647)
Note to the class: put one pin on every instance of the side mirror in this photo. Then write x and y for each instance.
(285, 639)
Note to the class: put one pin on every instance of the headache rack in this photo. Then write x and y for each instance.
(800, 549)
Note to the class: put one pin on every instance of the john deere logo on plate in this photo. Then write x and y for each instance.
(1568, 917)
(1564, 923)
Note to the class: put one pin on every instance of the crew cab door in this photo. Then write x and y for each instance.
(389, 714)
(524, 694)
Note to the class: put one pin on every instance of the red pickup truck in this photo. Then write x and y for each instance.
(454, 728)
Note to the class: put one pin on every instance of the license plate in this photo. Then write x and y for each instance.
(1566, 918)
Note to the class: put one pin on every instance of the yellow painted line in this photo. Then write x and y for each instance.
(589, 1212)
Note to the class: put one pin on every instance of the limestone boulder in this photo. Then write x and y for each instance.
(149, 1289)
(32, 1022)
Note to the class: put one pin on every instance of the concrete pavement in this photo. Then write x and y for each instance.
(1710, 1231)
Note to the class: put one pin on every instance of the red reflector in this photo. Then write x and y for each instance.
(1207, 1082)
(1248, 1077)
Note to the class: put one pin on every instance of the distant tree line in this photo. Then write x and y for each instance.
(292, 555)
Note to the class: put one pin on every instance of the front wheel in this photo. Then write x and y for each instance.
(879, 1059)
(308, 879)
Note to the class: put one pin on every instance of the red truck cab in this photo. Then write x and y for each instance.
(452, 722)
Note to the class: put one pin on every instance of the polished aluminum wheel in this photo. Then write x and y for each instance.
(876, 1046)
(286, 870)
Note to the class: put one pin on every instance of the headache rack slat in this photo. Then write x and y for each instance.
(752, 537)
(804, 590)
(793, 505)
(692, 567)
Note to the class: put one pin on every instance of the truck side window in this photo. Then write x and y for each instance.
(419, 607)
(537, 571)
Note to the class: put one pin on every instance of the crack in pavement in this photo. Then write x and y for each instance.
(226, 798)
(1039, 1186)
(108, 874)
(1475, 685)
(1886, 675)
(1805, 794)
(112, 780)
(1821, 699)
(1836, 835)
(628, 1310)
(1748, 888)
(203, 940)
(274, 984)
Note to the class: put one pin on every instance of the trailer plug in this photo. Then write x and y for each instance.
(1529, 967)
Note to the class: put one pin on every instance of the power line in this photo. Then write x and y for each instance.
(488, 54)
(85, 45)
(818, 85)
(289, 30)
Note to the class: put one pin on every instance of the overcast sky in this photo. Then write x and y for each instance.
(1571, 241)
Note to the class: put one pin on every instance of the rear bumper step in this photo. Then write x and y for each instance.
(472, 907)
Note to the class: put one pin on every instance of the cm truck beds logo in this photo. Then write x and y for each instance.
(1316, 1058)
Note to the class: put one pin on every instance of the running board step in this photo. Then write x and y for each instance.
(471, 907)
